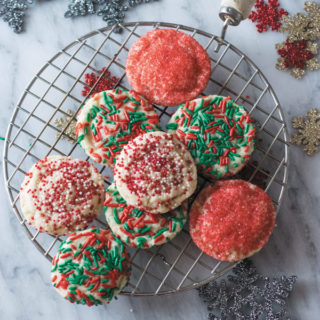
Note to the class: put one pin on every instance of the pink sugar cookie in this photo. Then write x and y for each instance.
(168, 67)
(231, 220)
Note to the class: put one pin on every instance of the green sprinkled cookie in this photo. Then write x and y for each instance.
(91, 267)
(110, 119)
(219, 134)
(138, 228)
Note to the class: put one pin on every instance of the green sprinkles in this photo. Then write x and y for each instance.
(137, 227)
(217, 132)
(89, 264)
(115, 117)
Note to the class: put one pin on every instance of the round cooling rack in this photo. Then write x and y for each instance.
(33, 134)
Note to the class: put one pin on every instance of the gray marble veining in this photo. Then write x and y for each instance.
(25, 287)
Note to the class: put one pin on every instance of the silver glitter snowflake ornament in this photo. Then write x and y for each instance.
(13, 12)
(80, 8)
(112, 11)
(308, 133)
(247, 295)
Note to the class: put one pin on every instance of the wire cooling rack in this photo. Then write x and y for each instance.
(32, 134)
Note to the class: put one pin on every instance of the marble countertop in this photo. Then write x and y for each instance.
(25, 288)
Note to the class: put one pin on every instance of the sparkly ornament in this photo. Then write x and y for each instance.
(107, 82)
(70, 132)
(308, 131)
(297, 56)
(303, 26)
(80, 8)
(247, 295)
(267, 16)
(112, 11)
(13, 12)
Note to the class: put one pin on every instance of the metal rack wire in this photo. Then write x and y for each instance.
(32, 134)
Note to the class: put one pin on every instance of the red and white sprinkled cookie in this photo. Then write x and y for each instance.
(138, 228)
(219, 134)
(168, 67)
(155, 172)
(91, 267)
(231, 220)
(110, 119)
(60, 195)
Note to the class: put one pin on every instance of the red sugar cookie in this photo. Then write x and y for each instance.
(168, 67)
(231, 220)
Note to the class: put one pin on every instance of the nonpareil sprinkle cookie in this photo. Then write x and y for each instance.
(138, 228)
(168, 66)
(219, 134)
(231, 220)
(155, 172)
(91, 267)
(60, 195)
(110, 119)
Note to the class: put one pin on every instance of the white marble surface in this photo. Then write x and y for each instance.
(25, 288)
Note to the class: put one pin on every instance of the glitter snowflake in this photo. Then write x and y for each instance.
(308, 131)
(303, 26)
(70, 132)
(112, 11)
(267, 15)
(13, 12)
(247, 295)
(297, 57)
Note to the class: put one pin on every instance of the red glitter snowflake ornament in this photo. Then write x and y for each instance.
(267, 16)
(297, 56)
(105, 83)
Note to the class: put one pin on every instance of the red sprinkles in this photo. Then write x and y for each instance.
(139, 228)
(65, 197)
(110, 119)
(91, 267)
(218, 133)
(155, 166)
(106, 82)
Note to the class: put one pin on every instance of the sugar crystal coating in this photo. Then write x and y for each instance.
(231, 220)
(168, 66)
